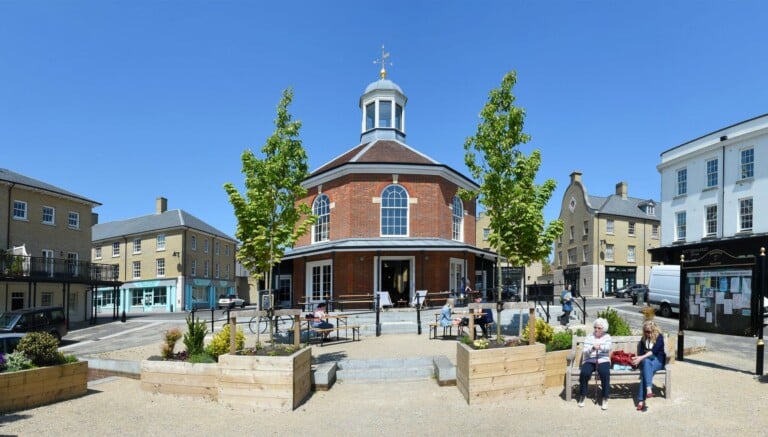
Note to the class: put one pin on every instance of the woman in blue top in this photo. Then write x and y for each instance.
(650, 359)
(445, 316)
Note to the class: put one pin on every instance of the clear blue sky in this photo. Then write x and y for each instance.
(125, 101)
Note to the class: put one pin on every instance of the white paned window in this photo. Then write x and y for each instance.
(631, 254)
(655, 231)
(631, 229)
(137, 245)
(160, 265)
(193, 243)
(682, 181)
(609, 226)
(712, 176)
(609, 252)
(73, 220)
(161, 242)
(321, 208)
(115, 249)
(194, 267)
(680, 226)
(49, 215)
(19, 210)
(394, 211)
(710, 221)
(747, 163)
(137, 270)
(457, 219)
(745, 214)
(572, 256)
(97, 253)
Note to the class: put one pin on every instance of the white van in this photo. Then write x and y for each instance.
(664, 289)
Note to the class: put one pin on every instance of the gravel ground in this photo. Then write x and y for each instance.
(713, 394)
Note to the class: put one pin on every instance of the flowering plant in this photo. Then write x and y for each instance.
(480, 344)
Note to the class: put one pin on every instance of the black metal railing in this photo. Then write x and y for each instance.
(36, 268)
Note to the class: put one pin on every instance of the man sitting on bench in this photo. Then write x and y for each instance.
(485, 317)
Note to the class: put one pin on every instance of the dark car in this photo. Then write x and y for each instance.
(634, 291)
(40, 319)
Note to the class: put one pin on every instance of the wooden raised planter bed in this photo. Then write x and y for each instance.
(554, 368)
(264, 382)
(491, 375)
(43, 385)
(180, 378)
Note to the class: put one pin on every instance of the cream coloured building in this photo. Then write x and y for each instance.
(45, 240)
(167, 261)
(605, 241)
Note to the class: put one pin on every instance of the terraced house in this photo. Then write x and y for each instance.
(167, 261)
(45, 241)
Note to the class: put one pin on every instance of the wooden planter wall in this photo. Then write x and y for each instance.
(554, 368)
(240, 381)
(179, 378)
(491, 375)
(258, 382)
(44, 385)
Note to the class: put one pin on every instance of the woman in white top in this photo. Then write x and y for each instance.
(597, 350)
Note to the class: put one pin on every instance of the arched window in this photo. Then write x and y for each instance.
(394, 211)
(322, 227)
(458, 219)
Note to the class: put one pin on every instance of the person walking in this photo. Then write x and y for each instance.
(566, 300)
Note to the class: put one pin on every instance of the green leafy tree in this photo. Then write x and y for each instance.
(513, 201)
(269, 219)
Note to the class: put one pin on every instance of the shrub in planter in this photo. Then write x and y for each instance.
(17, 361)
(560, 341)
(41, 348)
(617, 326)
(544, 331)
(195, 336)
(170, 337)
(220, 343)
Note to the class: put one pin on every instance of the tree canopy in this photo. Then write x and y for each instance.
(513, 201)
(269, 219)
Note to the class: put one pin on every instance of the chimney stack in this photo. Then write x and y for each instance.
(621, 190)
(576, 176)
(161, 205)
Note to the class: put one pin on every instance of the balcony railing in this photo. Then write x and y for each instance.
(29, 268)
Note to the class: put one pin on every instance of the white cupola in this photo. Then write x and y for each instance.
(383, 109)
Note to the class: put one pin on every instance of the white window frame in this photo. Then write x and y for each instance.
(680, 225)
(631, 254)
(681, 182)
(655, 231)
(325, 278)
(631, 229)
(457, 219)
(712, 176)
(97, 252)
(206, 269)
(609, 252)
(49, 211)
(710, 222)
(572, 256)
(609, 226)
(747, 163)
(20, 210)
(73, 220)
(206, 245)
(194, 268)
(391, 215)
(136, 246)
(160, 242)
(746, 218)
(217, 248)
(115, 249)
(160, 267)
(193, 242)
(136, 269)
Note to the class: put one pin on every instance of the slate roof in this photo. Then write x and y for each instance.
(172, 219)
(629, 207)
(19, 179)
(385, 244)
(378, 152)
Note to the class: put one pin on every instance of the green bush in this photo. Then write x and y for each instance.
(194, 338)
(201, 358)
(617, 326)
(544, 331)
(41, 348)
(17, 361)
(560, 341)
(220, 343)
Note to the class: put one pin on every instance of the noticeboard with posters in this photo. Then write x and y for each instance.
(717, 294)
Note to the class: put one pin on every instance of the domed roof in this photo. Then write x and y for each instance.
(383, 84)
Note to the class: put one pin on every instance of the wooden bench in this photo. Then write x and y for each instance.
(447, 330)
(322, 331)
(625, 343)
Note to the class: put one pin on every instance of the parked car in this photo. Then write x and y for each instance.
(631, 290)
(230, 301)
(40, 319)
(9, 340)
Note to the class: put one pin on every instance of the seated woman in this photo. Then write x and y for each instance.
(445, 317)
(650, 358)
(319, 318)
(597, 349)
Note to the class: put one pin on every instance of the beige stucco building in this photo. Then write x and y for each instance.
(605, 242)
(167, 261)
(45, 240)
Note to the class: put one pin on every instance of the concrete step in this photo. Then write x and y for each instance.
(385, 370)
